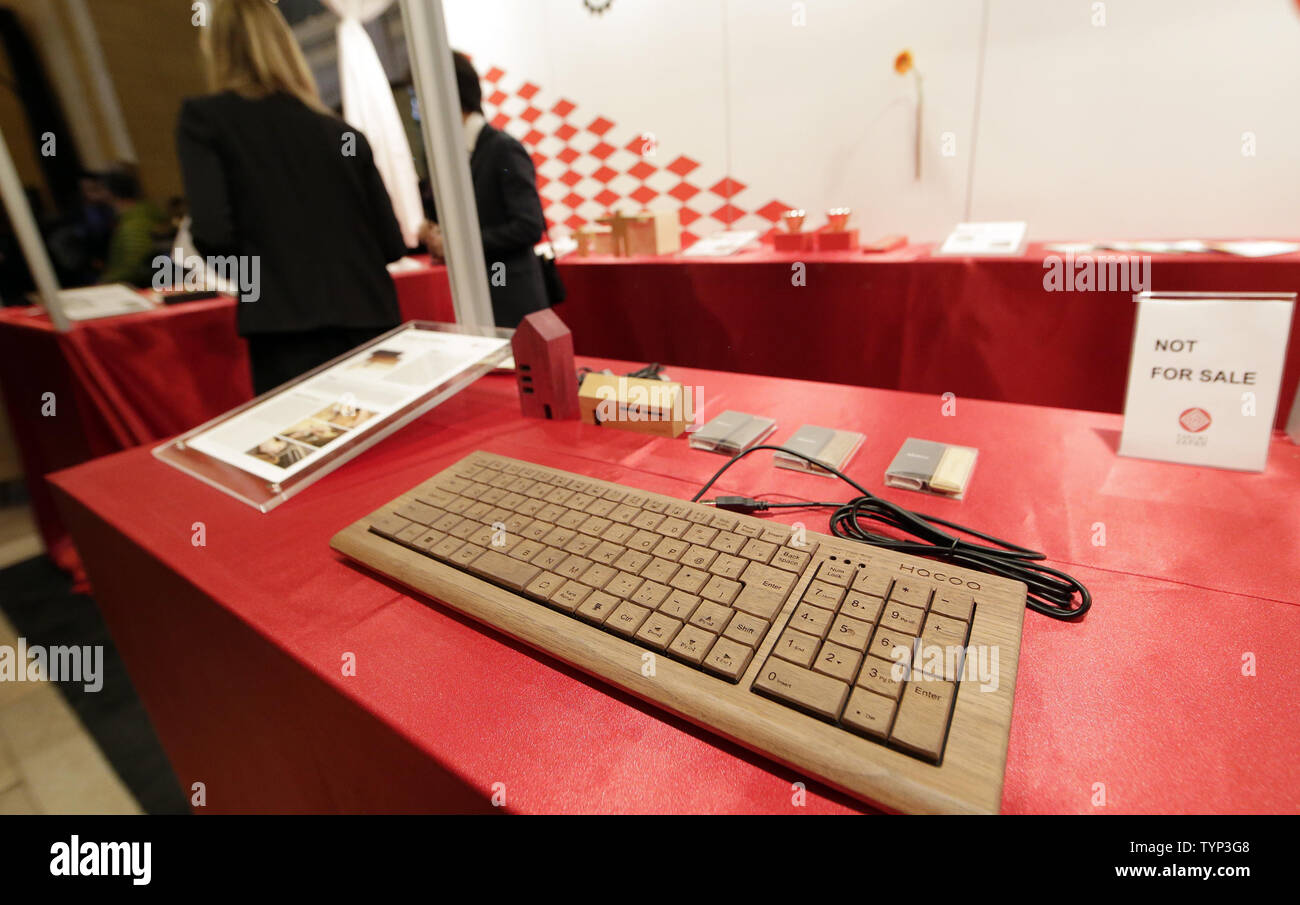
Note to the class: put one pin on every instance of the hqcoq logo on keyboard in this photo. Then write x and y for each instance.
(939, 576)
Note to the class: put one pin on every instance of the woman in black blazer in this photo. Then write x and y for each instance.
(275, 179)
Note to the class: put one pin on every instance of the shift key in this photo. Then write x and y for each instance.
(802, 688)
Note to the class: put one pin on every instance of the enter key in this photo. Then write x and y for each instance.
(765, 589)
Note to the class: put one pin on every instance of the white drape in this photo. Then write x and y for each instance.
(368, 105)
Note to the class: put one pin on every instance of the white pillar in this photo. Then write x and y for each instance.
(444, 137)
(29, 237)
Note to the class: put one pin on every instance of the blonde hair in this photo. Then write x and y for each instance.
(248, 48)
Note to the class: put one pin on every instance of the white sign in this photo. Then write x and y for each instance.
(985, 239)
(1204, 376)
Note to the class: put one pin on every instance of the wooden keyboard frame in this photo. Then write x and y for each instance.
(969, 779)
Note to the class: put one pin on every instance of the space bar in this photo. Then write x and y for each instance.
(500, 568)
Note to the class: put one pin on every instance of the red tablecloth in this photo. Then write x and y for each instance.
(236, 647)
(122, 381)
(981, 328)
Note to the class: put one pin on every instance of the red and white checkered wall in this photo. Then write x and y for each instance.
(588, 165)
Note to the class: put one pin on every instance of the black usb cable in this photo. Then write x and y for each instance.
(1051, 591)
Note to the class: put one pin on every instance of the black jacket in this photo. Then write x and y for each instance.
(510, 217)
(298, 188)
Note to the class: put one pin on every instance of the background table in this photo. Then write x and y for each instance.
(981, 328)
(236, 647)
(121, 381)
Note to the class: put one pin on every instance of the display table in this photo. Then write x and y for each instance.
(237, 647)
(122, 381)
(981, 328)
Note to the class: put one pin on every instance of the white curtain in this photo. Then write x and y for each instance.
(368, 105)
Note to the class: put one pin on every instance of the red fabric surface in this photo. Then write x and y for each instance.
(1146, 695)
(122, 381)
(981, 328)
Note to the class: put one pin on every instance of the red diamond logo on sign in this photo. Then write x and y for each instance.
(1194, 420)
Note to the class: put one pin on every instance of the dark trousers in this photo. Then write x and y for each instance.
(277, 358)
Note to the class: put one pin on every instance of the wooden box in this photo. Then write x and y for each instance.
(655, 407)
(653, 233)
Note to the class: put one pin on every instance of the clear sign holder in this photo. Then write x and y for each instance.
(267, 450)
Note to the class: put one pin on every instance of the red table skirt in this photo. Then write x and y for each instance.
(983, 328)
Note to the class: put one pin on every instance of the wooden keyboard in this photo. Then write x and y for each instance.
(888, 676)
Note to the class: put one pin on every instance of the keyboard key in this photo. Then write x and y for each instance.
(572, 567)
(790, 560)
(860, 606)
(597, 606)
(797, 647)
(623, 585)
(660, 570)
(892, 645)
(633, 561)
(419, 512)
(758, 550)
(729, 566)
(868, 713)
(728, 659)
(627, 619)
(906, 619)
(943, 630)
(445, 547)
(428, 539)
(850, 632)
(922, 722)
(953, 604)
(840, 662)
(765, 590)
(499, 567)
(727, 542)
(689, 580)
(647, 521)
(570, 595)
(802, 688)
(679, 605)
(698, 557)
(700, 535)
(826, 596)
(710, 616)
(748, 630)
(650, 594)
(812, 620)
(658, 630)
(466, 555)
(910, 593)
(882, 676)
(671, 549)
(836, 573)
(674, 528)
(720, 590)
(606, 552)
(598, 575)
(618, 534)
(549, 559)
(644, 541)
(872, 582)
(691, 644)
(408, 534)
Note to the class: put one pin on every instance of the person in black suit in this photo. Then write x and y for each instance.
(509, 211)
(275, 178)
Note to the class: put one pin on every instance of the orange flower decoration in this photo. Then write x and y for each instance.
(903, 62)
